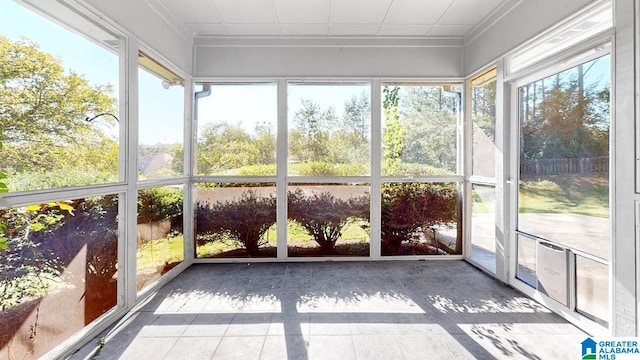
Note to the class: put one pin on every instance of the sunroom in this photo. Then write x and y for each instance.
(375, 171)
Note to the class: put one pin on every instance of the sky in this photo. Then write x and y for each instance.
(248, 105)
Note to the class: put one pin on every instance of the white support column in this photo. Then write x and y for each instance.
(467, 168)
(376, 169)
(505, 216)
(190, 138)
(624, 192)
(282, 158)
(129, 122)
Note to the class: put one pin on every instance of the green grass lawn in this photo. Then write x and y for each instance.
(574, 194)
(159, 252)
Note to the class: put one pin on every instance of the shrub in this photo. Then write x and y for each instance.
(258, 170)
(324, 216)
(409, 207)
(57, 178)
(245, 220)
(322, 168)
(161, 203)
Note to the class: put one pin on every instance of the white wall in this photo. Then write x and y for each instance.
(523, 22)
(223, 58)
(150, 28)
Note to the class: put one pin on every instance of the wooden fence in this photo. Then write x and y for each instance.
(598, 164)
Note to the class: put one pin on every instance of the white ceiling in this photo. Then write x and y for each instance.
(327, 18)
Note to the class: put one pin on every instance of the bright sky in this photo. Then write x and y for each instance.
(248, 105)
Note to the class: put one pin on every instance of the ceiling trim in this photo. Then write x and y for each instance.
(418, 42)
(496, 15)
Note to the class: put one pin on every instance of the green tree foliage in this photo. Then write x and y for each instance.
(245, 220)
(349, 142)
(43, 114)
(3, 186)
(309, 140)
(562, 117)
(223, 147)
(161, 203)
(429, 118)
(483, 108)
(393, 132)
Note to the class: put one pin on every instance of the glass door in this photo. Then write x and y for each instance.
(563, 225)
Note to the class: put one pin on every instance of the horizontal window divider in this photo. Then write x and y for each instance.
(235, 179)
(235, 81)
(320, 81)
(405, 179)
(572, 249)
(481, 180)
(161, 182)
(322, 180)
(422, 257)
(25, 198)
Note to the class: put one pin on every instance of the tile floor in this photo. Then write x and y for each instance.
(338, 310)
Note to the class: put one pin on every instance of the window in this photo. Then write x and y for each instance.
(58, 271)
(329, 129)
(483, 169)
(235, 220)
(483, 119)
(563, 187)
(237, 128)
(159, 233)
(59, 121)
(419, 136)
(328, 219)
(161, 121)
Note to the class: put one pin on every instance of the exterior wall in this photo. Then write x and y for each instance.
(524, 21)
(214, 58)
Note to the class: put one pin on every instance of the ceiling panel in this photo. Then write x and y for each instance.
(404, 30)
(246, 11)
(192, 11)
(416, 11)
(290, 18)
(302, 12)
(354, 30)
(359, 11)
(304, 29)
(468, 12)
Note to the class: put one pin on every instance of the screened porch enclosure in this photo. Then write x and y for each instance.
(332, 176)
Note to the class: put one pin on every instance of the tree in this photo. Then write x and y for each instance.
(43, 114)
(350, 142)
(311, 131)
(429, 118)
(393, 132)
(3, 186)
(569, 119)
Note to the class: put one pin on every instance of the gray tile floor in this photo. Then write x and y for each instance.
(338, 310)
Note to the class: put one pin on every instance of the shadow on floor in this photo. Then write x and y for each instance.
(338, 310)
